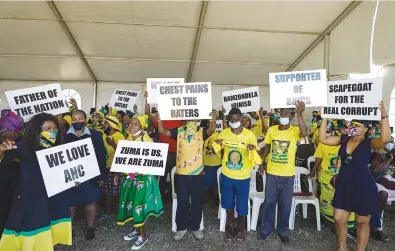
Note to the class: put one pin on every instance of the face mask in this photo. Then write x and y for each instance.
(50, 136)
(78, 125)
(354, 132)
(235, 125)
(284, 121)
(107, 130)
(389, 147)
(191, 127)
(137, 133)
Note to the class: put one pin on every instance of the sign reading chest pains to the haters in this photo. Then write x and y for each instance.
(31, 101)
(123, 99)
(189, 101)
(62, 166)
(246, 99)
(140, 157)
(354, 99)
(287, 88)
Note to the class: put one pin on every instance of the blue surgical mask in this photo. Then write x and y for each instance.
(284, 121)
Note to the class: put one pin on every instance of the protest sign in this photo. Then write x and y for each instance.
(31, 101)
(152, 89)
(140, 157)
(246, 99)
(62, 166)
(218, 125)
(354, 99)
(123, 99)
(188, 101)
(286, 88)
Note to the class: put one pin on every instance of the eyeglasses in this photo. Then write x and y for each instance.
(347, 160)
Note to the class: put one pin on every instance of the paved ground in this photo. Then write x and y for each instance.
(304, 238)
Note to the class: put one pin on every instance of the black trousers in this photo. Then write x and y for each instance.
(170, 163)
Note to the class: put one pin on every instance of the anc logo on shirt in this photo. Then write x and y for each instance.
(235, 160)
(334, 165)
(280, 151)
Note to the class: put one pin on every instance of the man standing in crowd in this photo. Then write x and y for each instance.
(189, 176)
(280, 171)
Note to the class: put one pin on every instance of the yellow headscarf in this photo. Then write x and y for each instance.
(114, 123)
(143, 121)
(113, 112)
(67, 118)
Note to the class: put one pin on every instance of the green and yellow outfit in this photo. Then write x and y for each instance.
(139, 197)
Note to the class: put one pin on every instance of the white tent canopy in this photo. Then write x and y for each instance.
(94, 47)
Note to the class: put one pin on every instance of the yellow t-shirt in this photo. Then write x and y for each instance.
(110, 150)
(210, 158)
(281, 159)
(144, 138)
(330, 164)
(257, 131)
(235, 162)
(315, 135)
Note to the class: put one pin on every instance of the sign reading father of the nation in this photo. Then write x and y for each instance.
(140, 157)
(62, 166)
(354, 99)
(287, 88)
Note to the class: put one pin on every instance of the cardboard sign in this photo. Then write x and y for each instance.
(31, 101)
(152, 87)
(123, 99)
(246, 99)
(63, 165)
(286, 88)
(188, 101)
(354, 99)
(140, 157)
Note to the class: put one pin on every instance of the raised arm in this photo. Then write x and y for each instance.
(147, 109)
(224, 122)
(385, 131)
(212, 125)
(162, 130)
(327, 140)
(300, 106)
(264, 124)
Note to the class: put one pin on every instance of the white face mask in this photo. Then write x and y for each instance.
(137, 133)
(235, 125)
(284, 121)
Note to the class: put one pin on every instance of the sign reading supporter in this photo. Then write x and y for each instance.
(354, 99)
(287, 88)
(152, 84)
(189, 101)
(31, 101)
(140, 157)
(246, 99)
(123, 99)
(62, 166)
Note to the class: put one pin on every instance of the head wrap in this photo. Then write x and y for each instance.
(11, 121)
(252, 120)
(99, 113)
(113, 112)
(67, 118)
(143, 121)
(114, 123)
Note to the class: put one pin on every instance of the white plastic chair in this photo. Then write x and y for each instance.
(174, 210)
(257, 198)
(222, 212)
(309, 161)
(315, 182)
(304, 200)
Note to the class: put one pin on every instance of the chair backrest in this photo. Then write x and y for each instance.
(219, 171)
(309, 161)
(297, 181)
(253, 179)
(173, 191)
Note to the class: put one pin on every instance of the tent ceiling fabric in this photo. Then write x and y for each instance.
(128, 41)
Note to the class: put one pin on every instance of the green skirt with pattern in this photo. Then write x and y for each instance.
(139, 199)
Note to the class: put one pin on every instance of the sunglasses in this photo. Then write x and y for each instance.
(347, 160)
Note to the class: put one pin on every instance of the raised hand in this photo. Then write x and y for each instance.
(300, 107)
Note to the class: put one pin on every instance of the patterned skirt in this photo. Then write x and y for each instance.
(109, 187)
(139, 199)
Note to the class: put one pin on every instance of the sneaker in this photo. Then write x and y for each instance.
(379, 235)
(198, 234)
(139, 243)
(284, 239)
(90, 234)
(352, 235)
(179, 235)
(131, 236)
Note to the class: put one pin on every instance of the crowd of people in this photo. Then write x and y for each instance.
(354, 169)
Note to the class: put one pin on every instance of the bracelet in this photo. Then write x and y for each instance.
(385, 117)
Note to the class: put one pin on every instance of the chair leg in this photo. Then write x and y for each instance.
(173, 216)
(304, 207)
(202, 223)
(317, 212)
(292, 216)
(222, 220)
(249, 216)
(255, 214)
(275, 217)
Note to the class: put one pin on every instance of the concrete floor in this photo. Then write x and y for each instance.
(305, 237)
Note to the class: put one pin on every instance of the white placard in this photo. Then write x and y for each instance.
(188, 101)
(354, 99)
(152, 89)
(219, 126)
(140, 157)
(246, 99)
(123, 99)
(286, 88)
(31, 101)
(62, 166)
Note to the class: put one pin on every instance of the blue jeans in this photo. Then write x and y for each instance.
(279, 190)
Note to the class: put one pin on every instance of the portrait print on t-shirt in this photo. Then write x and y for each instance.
(280, 151)
(335, 164)
(235, 160)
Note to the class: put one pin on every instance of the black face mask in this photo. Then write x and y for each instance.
(107, 131)
(78, 125)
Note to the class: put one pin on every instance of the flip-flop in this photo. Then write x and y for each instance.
(103, 217)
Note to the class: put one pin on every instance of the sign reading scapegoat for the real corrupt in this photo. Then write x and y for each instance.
(152, 87)
(123, 99)
(31, 101)
(189, 101)
(246, 99)
(287, 88)
(62, 166)
(140, 157)
(354, 99)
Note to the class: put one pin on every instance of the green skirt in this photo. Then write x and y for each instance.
(139, 199)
